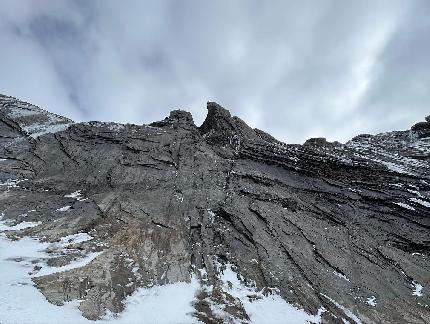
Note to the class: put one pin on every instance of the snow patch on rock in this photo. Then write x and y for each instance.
(39, 129)
(347, 312)
(76, 195)
(63, 209)
(79, 263)
(23, 225)
(421, 202)
(75, 239)
(404, 205)
(341, 276)
(417, 289)
(371, 301)
(10, 183)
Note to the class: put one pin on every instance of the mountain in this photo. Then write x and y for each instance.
(257, 230)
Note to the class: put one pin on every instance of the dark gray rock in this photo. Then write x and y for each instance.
(422, 128)
(320, 141)
(328, 225)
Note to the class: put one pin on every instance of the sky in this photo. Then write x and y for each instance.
(296, 69)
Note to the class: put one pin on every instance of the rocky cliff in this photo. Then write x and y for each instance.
(341, 231)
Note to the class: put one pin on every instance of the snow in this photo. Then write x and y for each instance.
(48, 123)
(150, 305)
(371, 301)
(72, 265)
(341, 276)
(67, 240)
(75, 239)
(45, 129)
(179, 197)
(387, 155)
(22, 112)
(345, 310)
(212, 216)
(417, 289)
(63, 209)
(21, 302)
(76, 195)
(116, 127)
(135, 271)
(421, 202)
(9, 183)
(265, 309)
(394, 167)
(415, 192)
(404, 205)
(17, 227)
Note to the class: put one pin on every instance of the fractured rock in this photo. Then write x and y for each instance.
(329, 225)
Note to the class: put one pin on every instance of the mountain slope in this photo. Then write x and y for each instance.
(339, 231)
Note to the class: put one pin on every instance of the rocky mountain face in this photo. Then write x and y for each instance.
(341, 231)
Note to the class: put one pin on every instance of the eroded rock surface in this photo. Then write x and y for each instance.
(339, 229)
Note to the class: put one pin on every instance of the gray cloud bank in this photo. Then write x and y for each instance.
(296, 69)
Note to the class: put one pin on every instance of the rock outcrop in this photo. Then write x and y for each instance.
(342, 230)
(423, 128)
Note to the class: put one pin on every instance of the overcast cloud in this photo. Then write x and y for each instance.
(296, 69)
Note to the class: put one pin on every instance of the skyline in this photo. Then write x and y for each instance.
(331, 69)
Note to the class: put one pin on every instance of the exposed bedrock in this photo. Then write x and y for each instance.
(345, 227)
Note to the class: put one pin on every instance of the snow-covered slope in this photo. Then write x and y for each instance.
(25, 258)
(32, 120)
(402, 151)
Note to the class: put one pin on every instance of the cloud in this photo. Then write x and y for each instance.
(295, 69)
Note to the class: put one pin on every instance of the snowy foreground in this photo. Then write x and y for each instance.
(21, 302)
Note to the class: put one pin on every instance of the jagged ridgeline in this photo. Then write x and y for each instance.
(339, 231)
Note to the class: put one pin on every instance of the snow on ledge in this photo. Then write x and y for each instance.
(17, 227)
(76, 195)
(347, 312)
(63, 209)
(10, 183)
(371, 301)
(75, 239)
(418, 289)
(45, 129)
(79, 263)
(421, 202)
(341, 276)
(404, 205)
